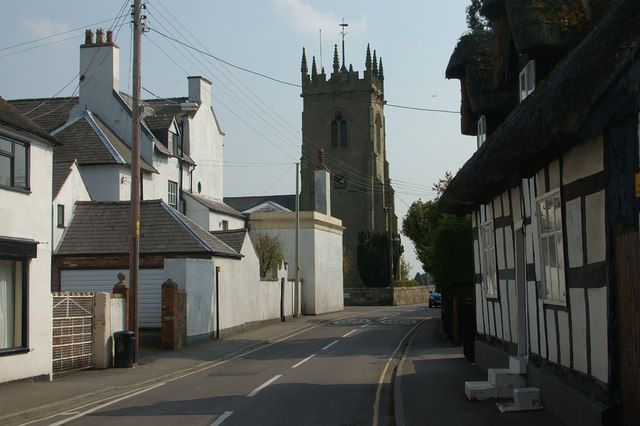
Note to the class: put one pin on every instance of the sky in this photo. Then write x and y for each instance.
(261, 118)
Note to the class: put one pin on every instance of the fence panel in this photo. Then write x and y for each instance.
(73, 319)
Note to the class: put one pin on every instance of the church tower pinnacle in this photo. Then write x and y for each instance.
(336, 61)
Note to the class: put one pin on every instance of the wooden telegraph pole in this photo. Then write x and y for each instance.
(134, 253)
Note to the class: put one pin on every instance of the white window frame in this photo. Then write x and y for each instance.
(482, 130)
(172, 196)
(527, 80)
(13, 290)
(553, 277)
(487, 238)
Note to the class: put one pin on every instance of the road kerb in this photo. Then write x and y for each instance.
(398, 409)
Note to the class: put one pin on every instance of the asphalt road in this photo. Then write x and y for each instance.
(335, 373)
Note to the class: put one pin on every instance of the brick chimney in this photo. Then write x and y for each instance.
(99, 68)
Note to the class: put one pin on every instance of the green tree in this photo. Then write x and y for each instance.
(419, 226)
(452, 263)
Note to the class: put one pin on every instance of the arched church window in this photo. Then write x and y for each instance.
(339, 132)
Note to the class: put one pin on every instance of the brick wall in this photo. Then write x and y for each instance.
(173, 329)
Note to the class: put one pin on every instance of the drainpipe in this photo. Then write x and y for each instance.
(217, 302)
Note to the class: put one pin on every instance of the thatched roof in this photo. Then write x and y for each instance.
(555, 116)
(473, 63)
(550, 25)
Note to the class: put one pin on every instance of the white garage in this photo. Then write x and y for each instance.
(103, 280)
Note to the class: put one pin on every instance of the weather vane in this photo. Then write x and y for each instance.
(343, 32)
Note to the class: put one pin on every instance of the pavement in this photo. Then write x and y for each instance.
(429, 387)
(429, 384)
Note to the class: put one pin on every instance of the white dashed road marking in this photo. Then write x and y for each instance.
(330, 344)
(351, 332)
(222, 418)
(264, 385)
(303, 361)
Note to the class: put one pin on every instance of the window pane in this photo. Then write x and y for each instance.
(5, 170)
(5, 146)
(7, 304)
(334, 133)
(20, 167)
(343, 133)
(557, 212)
(542, 217)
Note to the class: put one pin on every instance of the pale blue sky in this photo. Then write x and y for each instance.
(414, 37)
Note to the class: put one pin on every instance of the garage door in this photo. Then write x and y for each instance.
(103, 280)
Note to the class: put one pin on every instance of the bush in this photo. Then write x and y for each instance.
(270, 251)
(453, 253)
(406, 283)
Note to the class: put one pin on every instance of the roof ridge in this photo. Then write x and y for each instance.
(186, 226)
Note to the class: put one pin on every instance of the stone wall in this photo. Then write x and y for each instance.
(410, 295)
(173, 334)
(385, 296)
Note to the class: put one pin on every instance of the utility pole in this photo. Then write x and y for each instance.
(134, 252)
(297, 283)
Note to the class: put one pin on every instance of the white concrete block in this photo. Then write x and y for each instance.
(554, 175)
(594, 217)
(480, 391)
(583, 160)
(598, 328)
(574, 232)
(527, 398)
(578, 329)
(505, 381)
(518, 364)
(551, 335)
(565, 348)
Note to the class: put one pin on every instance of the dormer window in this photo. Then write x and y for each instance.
(527, 80)
(482, 130)
(173, 143)
(339, 135)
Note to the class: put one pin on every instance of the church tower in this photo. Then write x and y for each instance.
(343, 114)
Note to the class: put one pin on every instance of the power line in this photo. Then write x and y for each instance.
(364, 180)
(277, 80)
(55, 35)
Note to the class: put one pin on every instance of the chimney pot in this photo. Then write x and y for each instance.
(110, 37)
(99, 36)
(88, 37)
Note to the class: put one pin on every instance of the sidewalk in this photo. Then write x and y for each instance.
(431, 388)
(23, 401)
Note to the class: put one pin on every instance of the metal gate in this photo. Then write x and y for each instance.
(73, 315)
(627, 253)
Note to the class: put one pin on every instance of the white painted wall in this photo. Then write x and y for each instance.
(71, 191)
(168, 169)
(320, 255)
(204, 141)
(103, 182)
(118, 311)
(215, 221)
(243, 297)
(29, 216)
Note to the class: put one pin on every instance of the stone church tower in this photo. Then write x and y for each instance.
(343, 115)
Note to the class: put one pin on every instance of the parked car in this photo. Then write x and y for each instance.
(435, 300)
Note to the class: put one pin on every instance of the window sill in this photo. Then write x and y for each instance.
(11, 188)
(555, 303)
(491, 297)
(14, 351)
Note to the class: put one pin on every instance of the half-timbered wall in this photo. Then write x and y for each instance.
(496, 315)
(570, 333)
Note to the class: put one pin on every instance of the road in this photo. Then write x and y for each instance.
(337, 372)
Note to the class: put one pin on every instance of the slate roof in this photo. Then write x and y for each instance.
(562, 111)
(233, 238)
(90, 141)
(14, 118)
(102, 228)
(61, 171)
(243, 204)
(215, 206)
(50, 115)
